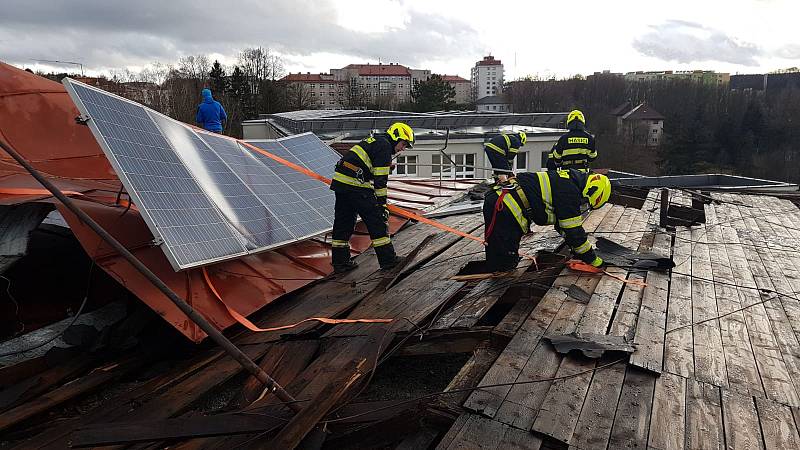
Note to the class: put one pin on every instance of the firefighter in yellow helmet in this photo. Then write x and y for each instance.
(555, 197)
(501, 151)
(359, 182)
(576, 148)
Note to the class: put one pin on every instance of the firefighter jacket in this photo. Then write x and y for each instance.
(574, 150)
(501, 151)
(555, 198)
(365, 166)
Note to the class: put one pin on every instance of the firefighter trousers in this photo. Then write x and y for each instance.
(350, 205)
(502, 245)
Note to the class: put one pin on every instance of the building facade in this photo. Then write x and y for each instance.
(462, 86)
(487, 78)
(493, 103)
(641, 124)
(359, 85)
(709, 77)
(322, 90)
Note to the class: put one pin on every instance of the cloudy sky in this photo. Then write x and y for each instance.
(447, 36)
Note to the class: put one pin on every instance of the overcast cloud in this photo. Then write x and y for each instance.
(446, 36)
(687, 42)
(112, 34)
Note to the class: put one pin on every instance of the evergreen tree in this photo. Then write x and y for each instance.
(433, 95)
(216, 78)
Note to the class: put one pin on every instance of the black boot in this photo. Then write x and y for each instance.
(340, 260)
(386, 256)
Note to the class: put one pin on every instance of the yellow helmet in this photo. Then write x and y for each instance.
(401, 132)
(575, 115)
(597, 190)
(523, 138)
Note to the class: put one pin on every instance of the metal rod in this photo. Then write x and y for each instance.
(209, 329)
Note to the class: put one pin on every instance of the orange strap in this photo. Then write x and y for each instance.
(395, 209)
(33, 191)
(252, 327)
(287, 163)
(581, 266)
(410, 215)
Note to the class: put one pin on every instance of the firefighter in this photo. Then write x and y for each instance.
(501, 151)
(359, 183)
(575, 149)
(554, 197)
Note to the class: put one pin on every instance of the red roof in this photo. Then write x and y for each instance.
(381, 69)
(489, 61)
(454, 79)
(315, 77)
(643, 112)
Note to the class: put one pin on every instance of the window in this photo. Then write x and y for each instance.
(446, 169)
(405, 165)
(544, 159)
(655, 131)
(522, 162)
(494, 107)
(655, 122)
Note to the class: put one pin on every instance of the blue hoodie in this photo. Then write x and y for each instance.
(210, 113)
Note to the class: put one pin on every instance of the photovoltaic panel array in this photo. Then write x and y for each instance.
(207, 197)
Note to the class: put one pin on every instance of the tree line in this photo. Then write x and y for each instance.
(250, 87)
(707, 128)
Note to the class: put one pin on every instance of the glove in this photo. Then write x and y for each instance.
(385, 210)
(598, 262)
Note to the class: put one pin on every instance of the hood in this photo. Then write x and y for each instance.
(207, 98)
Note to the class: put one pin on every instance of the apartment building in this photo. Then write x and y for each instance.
(487, 77)
(462, 86)
(701, 76)
(392, 83)
(324, 90)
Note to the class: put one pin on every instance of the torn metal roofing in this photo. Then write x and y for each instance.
(37, 119)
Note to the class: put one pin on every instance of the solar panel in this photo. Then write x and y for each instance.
(171, 201)
(309, 151)
(257, 225)
(298, 218)
(206, 196)
(313, 153)
(314, 201)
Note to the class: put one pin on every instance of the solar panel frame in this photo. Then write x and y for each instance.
(162, 235)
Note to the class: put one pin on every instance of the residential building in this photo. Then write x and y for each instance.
(642, 124)
(462, 86)
(320, 89)
(383, 84)
(487, 77)
(493, 103)
(701, 76)
(767, 81)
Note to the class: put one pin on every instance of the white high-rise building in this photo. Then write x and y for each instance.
(487, 77)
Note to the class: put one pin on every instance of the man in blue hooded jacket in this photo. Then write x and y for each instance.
(210, 113)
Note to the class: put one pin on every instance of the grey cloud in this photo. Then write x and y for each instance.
(791, 51)
(687, 42)
(111, 33)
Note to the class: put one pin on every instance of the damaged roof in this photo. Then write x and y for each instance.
(37, 118)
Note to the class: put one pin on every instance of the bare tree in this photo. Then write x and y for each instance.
(298, 96)
(356, 95)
